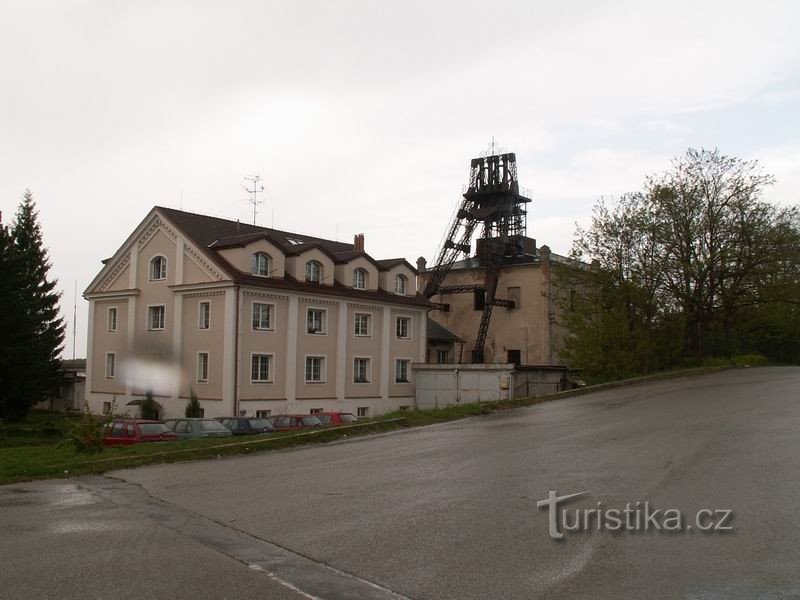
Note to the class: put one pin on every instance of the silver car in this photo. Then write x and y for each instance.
(197, 428)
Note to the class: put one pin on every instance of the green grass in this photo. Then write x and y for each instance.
(36, 429)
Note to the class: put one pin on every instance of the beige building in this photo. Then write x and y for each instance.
(255, 321)
(531, 333)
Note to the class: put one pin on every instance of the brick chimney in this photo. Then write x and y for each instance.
(358, 242)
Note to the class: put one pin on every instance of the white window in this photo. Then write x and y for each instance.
(260, 265)
(202, 367)
(158, 268)
(314, 271)
(315, 369)
(442, 357)
(156, 317)
(261, 368)
(106, 408)
(112, 320)
(111, 365)
(262, 316)
(361, 370)
(400, 284)
(315, 321)
(402, 327)
(360, 279)
(204, 316)
(362, 411)
(315, 411)
(263, 414)
(362, 324)
(401, 370)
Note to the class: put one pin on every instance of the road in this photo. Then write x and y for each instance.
(450, 511)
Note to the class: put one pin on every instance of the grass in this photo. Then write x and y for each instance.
(24, 462)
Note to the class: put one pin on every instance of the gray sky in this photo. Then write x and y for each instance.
(362, 116)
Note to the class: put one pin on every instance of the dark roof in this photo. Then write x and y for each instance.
(440, 333)
(389, 263)
(213, 233)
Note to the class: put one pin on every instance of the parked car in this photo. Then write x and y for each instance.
(336, 418)
(295, 422)
(197, 428)
(124, 432)
(246, 425)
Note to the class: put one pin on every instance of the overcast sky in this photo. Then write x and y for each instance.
(363, 116)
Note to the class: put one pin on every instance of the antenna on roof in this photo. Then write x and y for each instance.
(254, 181)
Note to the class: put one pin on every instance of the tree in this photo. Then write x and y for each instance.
(14, 337)
(40, 372)
(193, 409)
(148, 407)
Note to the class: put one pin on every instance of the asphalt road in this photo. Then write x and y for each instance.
(451, 511)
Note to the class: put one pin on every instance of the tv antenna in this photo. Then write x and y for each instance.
(253, 186)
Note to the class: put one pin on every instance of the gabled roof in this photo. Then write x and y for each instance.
(439, 333)
(210, 234)
(389, 263)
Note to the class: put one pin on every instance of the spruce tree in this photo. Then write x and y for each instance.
(12, 326)
(40, 372)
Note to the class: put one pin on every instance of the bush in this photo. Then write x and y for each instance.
(86, 434)
(148, 407)
(193, 409)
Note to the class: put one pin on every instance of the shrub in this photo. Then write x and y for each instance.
(148, 407)
(193, 409)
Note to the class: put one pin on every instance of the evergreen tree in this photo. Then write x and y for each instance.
(43, 327)
(13, 338)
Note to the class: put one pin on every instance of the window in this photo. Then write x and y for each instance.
(155, 317)
(361, 370)
(202, 367)
(315, 411)
(442, 357)
(158, 268)
(400, 284)
(401, 370)
(112, 320)
(260, 265)
(315, 366)
(362, 411)
(313, 271)
(106, 408)
(401, 328)
(262, 316)
(360, 279)
(362, 324)
(111, 365)
(479, 299)
(315, 320)
(204, 316)
(515, 357)
(263, 414)
(261, 368)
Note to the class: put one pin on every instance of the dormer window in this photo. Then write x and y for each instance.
(400, 284)
(360, 279)
(313, 271)
(260, 265)
(158, 268)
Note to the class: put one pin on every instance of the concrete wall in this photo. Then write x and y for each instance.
(446, 385)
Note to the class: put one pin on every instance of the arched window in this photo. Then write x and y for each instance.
(360, 279)
(260, 265)
(158, 268)
(400, 284)
(313, 271)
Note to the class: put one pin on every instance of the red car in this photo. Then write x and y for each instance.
(124, 432)
(295, 422)
(336, 418)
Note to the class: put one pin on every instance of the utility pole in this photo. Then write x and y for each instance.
(255, 187)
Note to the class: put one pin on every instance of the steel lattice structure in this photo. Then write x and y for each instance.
(493, 201)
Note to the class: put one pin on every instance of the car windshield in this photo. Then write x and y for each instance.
(153, 428)
(259, 423)
(311, 421)
(211, 426)
(324, 419)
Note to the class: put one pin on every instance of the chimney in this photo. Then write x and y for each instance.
(421, 264)
(358, 242)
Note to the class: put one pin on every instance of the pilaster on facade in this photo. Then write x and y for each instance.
(177, 337)
(386, 331)
(131, 339)
(229, 348)
(291, 351)
(341, 352)
(89, 354)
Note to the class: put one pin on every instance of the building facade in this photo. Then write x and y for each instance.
(530, 333)
(251, 320)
